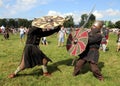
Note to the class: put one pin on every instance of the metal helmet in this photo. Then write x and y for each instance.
(98, 24)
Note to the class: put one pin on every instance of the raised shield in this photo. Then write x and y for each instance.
(77, 41)
(48, 22)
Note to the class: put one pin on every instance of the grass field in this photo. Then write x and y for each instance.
(61, 69)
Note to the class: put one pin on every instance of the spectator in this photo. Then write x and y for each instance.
(44, 41)
(103, 44)
(22, 33)
(118, 41)
(61, 36)
(6, 33)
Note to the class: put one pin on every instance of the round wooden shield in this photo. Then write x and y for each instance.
(48, 22)
(77, 41)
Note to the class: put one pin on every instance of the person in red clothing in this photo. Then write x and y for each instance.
(103, 43)
(105, 32)
(107, 35)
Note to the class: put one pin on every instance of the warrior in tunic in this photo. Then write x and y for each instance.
(32, 55)
(91, 53)
(6, 33)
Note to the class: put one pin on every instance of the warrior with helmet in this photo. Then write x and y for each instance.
(91, 53)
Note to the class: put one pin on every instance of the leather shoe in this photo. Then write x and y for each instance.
(11, 75)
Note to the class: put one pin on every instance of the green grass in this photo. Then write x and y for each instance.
(10, 56)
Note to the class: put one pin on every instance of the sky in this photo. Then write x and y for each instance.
(29, 9)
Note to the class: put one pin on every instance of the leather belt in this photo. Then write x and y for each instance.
(93, 49)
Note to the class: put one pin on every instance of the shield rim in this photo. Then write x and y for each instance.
(50, 24)
(73, 33)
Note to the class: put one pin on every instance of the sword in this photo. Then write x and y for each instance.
(74, 60)
(88, 17)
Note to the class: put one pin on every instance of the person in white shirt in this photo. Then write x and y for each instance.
(61, 36)
(2, 28)
(21, 33)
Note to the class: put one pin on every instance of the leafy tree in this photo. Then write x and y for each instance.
(11, 23)
(90, 21)
(0, 22)
(3, 22)
(17, 22)
(70, 22)
(117, 24)
(109, 24)
(23, 22)
(84, 17)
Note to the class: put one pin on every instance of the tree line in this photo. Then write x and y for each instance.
(17, 22)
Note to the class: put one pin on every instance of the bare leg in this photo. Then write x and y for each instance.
(59, 43)
(118, 47)
(19, 68)
(44, 67)
(62, 43)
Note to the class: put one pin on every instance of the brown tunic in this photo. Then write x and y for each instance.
(32, 54)
(91, 53)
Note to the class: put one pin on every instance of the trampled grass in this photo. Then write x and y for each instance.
(61, 69)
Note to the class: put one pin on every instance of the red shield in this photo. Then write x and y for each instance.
(77, 41)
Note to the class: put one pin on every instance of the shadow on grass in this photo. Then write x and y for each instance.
(36, 72)
(86, 68)
(51, 68)
(54, 67)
